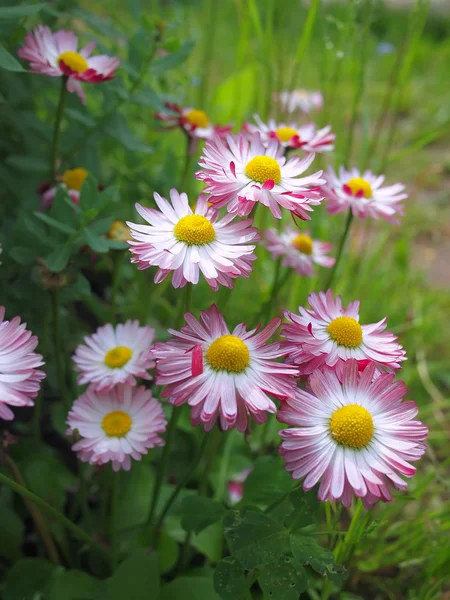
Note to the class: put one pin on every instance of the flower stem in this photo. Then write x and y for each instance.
(77, 531)
(187, 164)
(116, 275)
(59, 355)
(57, 129)
(340, 249)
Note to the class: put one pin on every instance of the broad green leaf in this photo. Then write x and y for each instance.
(27, 578)
(136, 578)
(96, 242)
(198, 512)
(308, 552)
(74, 585)
(254, 538)
(175, 59)
(229, 580)
(283, 580)
(188, 588)
(89, 194)
(117, 127)
(54, 224)
(58, 259)
(168, 553)
(147, 97)
(11, 533)
(305, 505)
(23, 256)
(135, 490)
(64, 210)
(267, 481)
(19, 11)
(28, 163)
(101, 226)
(8, 62)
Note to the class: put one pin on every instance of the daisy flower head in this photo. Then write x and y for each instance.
(302, 100)
(194, 121)
(221, 375)
(355, 436)
(243, 172)
(186, 243)
(114, 355)
(363, 194)
(71, 180)
(19, 374)
(116, 425)
(56, 55)
(329, 334)
(298, 250)
(291, 135)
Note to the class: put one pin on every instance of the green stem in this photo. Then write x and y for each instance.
(57, 128)
(59, 354)
(341, 549)
(181, 484)
(113, 533)
(116, 275)
(77, 531)
(340, 249)
(187, 164)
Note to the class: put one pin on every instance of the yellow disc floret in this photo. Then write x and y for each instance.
(358, 184)
(346, 331)
(194, 230)
(119, 232)
(228, 353)
(352, 426)
(303, 243)
(74, 178)
(262, 168)
(116, 423)
(74, 61)
(284, 134)
(198, 118)
(118, 357)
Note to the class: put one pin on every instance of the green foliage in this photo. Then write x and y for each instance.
(198, 512)
(138, 572)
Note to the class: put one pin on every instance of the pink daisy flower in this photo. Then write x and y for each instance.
(115, 355)
(290, 135)
(299, 251)
(363, 194)
(188, 242)
(303, 100)
(193, 121)
(223, 375)
(56, 54)
(329, 334)
(19, 377)
(116, 426)
(235, 486)
(246, 172)
(72, 180)
(356, 436)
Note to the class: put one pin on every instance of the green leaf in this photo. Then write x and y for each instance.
(168, 553)
(147, 97)
(19, 11)
(308, 552)
(198, 512)
(136, 578)
(95, 242)
(229, 580)
(57, 260)
(27, 578)
(305, 505)
(118, 128)
(11, 533)
(175, 59)
(254, 538)
(54, 223)
(23, 256)
(89, 194)
(188, 588)
(74, 585)
(27, 163)
(283, 580)
(136, 487)
(8, 62)
(267, 481)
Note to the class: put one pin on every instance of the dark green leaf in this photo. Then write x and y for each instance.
(27, 578)
(229, 580)
(305, 510)
(8, 62)
(168, 553)
(54, 223)
(96, 242)
(136, 578)
(23, 256)
(198, 512)
(267, 481)
(11, 532)
(175, 59)
(89, 194)
(308, 552)
(101, 226)
(74, 585)
(28, 163)
(254, 538)
(57, 260)
(118, 128)
(22, 10)
(188, 588)
(136, 487)
(282, 580)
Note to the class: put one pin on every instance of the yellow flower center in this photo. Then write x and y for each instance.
(118, 357)
(263, 168)
(303, 243)
(194, 230)
(352, 426)
(358, 184)
(119, 232)
(116, 423)
(74, 61)
(345, 331)
(198, 118)
(74, 178)
(284, 134)
(228, 353)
